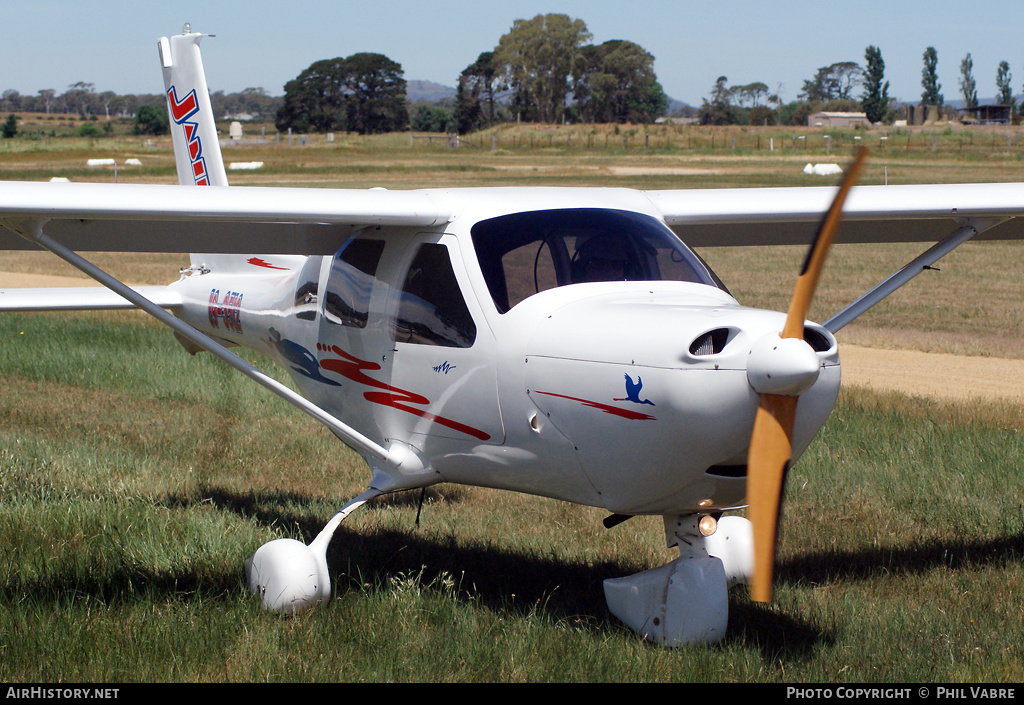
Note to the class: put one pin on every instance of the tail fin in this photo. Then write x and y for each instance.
(193, 130)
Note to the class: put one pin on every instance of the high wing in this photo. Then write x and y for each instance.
(947, 215)
(315, 221)
(789, 216)
(150, 218)
(305, 221)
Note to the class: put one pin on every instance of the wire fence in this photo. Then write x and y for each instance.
(959, 141)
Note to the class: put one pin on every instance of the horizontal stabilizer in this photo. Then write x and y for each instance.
(85, 298)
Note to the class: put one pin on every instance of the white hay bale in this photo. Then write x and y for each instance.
(823, 169)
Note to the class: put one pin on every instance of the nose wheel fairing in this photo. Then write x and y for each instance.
(686, 601)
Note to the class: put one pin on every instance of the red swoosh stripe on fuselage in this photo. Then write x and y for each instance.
(606, 408)
(352, 368)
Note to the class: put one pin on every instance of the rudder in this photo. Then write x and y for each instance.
(193, 129)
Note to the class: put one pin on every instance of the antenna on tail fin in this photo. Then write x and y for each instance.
(193, 130)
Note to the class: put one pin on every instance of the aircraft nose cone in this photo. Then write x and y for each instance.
(782, 366)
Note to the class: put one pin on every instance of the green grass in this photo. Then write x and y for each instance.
(134, 479)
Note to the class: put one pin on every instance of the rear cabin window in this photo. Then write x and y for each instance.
(431, 309)
(305, 293)
(350, 283)
(525, 253)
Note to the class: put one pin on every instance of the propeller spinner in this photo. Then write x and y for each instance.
(780, 369)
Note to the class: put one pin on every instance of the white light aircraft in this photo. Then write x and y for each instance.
(510, 338)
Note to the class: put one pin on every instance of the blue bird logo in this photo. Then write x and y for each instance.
(633, 391)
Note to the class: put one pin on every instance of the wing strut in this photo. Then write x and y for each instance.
(908, 272)
(34, 232)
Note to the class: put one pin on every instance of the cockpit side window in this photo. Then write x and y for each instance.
(431, 309)
(529, 269)
(350, 283)
(525, 253)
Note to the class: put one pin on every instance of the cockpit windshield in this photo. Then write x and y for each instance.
(524, 253)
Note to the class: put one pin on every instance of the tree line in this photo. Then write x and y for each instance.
(835, 88)
(147, 113)
(82, 100)
(542, 70)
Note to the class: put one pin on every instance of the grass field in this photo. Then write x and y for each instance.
(134, 478)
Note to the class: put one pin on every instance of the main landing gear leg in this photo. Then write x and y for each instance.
(290, 576)
(686, 601)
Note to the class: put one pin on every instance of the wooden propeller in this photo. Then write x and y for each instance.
(771, 443)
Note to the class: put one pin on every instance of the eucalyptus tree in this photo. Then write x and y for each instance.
(476, 95)
(719, 110)
(615, 82)
(535, 60)
(833, 82)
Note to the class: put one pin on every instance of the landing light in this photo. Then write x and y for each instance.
(707, 525)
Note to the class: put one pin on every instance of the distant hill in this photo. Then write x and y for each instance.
(678, 107)
(428, 91)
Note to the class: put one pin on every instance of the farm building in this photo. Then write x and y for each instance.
(838, 120)
(986, 115)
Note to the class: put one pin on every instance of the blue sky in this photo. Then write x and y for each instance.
(54, 43)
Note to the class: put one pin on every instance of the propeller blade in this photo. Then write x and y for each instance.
(771, 449)
(771, 442)
(807, 282)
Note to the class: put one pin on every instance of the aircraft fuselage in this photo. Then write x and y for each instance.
(514, 378)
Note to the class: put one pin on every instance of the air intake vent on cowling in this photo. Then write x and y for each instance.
(710, 343)
(818, 341)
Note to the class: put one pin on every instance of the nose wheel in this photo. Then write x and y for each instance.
(687, 601)
(290, 577)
